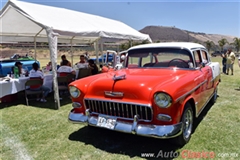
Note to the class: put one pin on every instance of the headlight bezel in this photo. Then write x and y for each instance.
(162, 100)
(74, 91)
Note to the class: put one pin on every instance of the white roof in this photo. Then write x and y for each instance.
(188, 45)
(21, 21)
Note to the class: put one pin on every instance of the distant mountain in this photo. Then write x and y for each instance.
(167, 34)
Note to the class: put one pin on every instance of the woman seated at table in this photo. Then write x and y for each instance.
(36, 73)
(82, 63)
(93, 67)
(17, 69)
(49, 66)
(65, 69)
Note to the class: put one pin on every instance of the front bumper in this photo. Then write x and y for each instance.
(148, 130)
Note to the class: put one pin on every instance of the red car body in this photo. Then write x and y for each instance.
(155, 95)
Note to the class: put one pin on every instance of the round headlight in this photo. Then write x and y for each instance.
(75, 92)
(163, 100)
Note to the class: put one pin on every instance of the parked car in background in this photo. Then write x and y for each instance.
(117, 61)
(103, 58)
(7, 64)
(159, 93)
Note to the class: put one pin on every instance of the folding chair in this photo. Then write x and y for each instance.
(62, 84)
(30, 83)
(84, 72)
(70, 76)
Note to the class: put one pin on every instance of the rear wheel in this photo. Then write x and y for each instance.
(187, 126)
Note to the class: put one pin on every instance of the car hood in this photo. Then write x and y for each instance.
(134, 84)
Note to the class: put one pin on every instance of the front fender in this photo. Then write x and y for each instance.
(191, 100)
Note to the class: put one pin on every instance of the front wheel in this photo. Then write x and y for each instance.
(187, 126)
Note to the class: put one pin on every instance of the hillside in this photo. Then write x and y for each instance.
(166, 34)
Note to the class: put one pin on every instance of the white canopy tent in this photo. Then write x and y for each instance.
(22, 21)
(28, 22)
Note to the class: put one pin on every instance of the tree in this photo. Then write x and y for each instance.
(145, 42)
(222, 42)
(209, 45)
(236, 43)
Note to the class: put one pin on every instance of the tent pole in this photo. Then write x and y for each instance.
(97, 54)
(35, 44)
(101, 47)
(96, 50)
(52, 41)
(35, 48)
(131, 46)
(72, 51)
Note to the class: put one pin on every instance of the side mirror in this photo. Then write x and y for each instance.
(202, 65)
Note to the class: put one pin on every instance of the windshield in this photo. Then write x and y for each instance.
(159, 57)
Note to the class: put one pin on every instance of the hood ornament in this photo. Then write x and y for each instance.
(113, 94)
(121, 77)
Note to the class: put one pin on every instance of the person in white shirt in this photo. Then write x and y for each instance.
(65, 68)
(36, 73)
(120, 62)
(230, 61)
(82, 63)
(63, 57)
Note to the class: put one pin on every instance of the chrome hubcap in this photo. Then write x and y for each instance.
(187, 124)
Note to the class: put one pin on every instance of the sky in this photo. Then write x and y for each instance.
(206, 16)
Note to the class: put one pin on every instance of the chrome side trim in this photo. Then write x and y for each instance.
(189, 92)
(148, 130)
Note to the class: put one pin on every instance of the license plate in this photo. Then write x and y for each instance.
(106, 122)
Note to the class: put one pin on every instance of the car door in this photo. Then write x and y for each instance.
(200, 80)
(207, 71)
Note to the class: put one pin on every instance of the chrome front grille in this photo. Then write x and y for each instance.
(118, 109)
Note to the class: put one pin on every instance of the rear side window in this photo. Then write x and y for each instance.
(197, 57)
(204, 57)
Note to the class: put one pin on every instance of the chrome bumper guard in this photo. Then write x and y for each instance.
(156, 131)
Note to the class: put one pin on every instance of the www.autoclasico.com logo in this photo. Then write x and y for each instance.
(167, 154)
(189, 154)
(161, 154)
(183, 154)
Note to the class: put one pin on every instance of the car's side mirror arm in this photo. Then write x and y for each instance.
(202, 65)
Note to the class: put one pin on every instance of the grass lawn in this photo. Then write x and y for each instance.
(40, 132)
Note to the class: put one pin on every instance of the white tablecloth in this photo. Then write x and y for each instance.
(16, 85)
(48, 81)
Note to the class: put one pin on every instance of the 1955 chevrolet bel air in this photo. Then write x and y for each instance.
(159, 93)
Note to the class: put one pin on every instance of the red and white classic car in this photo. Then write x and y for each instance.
(159, 93)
